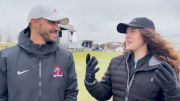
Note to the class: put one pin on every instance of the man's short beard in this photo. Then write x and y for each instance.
(46, 37)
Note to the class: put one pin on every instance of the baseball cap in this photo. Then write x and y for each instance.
(49, 13)
(139, 22)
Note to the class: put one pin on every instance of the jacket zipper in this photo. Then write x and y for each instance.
(40, 74)
(129, 83)
(128, 87)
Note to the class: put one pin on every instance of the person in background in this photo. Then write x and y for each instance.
(37, 69)
(148, 69)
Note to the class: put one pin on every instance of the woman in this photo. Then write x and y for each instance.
(147, 71)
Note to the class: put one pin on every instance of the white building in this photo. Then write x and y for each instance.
(68, 37)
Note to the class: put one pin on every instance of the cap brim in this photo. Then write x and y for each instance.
(122, 27)
(62, 21)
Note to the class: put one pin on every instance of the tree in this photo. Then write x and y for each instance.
(1, 39)
(8, 39)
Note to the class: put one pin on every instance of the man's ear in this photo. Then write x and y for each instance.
(33, 21)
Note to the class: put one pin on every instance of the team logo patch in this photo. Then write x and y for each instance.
(57, 71)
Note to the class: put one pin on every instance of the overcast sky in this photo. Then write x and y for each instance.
(97, 19)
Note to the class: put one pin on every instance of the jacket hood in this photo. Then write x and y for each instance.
(35, 49)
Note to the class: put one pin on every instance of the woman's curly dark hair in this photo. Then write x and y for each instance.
(160, 48)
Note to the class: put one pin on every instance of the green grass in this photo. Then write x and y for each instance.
(79, 57)
(5, 45)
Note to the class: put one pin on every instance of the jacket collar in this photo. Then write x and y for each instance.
(35, 49)
(148, 62)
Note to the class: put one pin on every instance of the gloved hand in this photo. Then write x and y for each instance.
(167, 79)
(90, 68)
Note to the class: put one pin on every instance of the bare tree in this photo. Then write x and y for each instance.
(9, 39)
(1, 39)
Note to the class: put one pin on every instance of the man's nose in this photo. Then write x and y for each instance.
(127, 35)
(57, 27)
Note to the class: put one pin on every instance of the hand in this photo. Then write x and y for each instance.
(167, 79)
(90, 68)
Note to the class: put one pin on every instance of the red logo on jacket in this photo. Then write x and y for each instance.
(57, 71)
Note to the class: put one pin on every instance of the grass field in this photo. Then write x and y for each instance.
(5, 45)
(103, 58)
(79, 57)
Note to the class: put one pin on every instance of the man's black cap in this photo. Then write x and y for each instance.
(139, 22)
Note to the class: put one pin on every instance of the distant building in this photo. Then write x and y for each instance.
(111, 46)
(67, 33)
(87, 43)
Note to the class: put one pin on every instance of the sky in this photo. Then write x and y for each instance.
(97, 19)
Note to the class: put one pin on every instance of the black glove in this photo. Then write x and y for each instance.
(90, 68)
(167, 79)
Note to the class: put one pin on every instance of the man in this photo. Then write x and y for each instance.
(37, 69)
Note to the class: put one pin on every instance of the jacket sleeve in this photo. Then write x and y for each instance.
(3, 80)
(175, 93)
(71, 90)
(101, 90)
